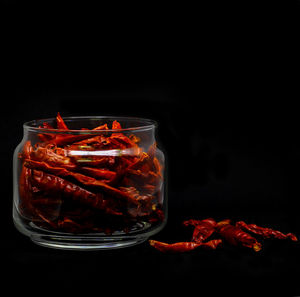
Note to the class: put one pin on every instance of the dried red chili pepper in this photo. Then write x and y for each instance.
(46, 137)
(265, 232)
(116, 125)
(101, 127)
(54, 184)
(232, 233)
(65, 139)
(26, 207)
(45, 219)
(61, 139)
(60, 171)
(203, 228)
(27, 149)
(47, 154)
(146, 207)
(121, 140)
(69, 225)
(180, 247)
(60, 122)
(236, 236)
(49, 207)
(99, 173)
(139, 163)
(144, 172)
(86, 180)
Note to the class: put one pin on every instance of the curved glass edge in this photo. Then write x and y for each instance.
(91, 241)
(149, 124)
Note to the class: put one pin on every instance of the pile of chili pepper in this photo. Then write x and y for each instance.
(82, 183)
(235, 235)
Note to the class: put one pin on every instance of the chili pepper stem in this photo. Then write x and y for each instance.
(257, 247)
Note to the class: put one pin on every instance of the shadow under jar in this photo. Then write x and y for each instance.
(89, 182)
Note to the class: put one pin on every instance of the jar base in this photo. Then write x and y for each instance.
(85, 245)
(82, 242)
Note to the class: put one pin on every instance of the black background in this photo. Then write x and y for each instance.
(223, 83)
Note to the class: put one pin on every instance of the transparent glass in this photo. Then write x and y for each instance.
(97, 184)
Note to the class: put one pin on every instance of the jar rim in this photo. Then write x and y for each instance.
(146, 124)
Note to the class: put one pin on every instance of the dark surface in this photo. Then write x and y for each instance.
(228, 122)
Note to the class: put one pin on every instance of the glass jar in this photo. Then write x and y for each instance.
(89, 182)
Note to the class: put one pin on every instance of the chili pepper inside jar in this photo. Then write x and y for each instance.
(89, 182)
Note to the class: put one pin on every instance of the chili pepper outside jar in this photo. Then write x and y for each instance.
(89, 182)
